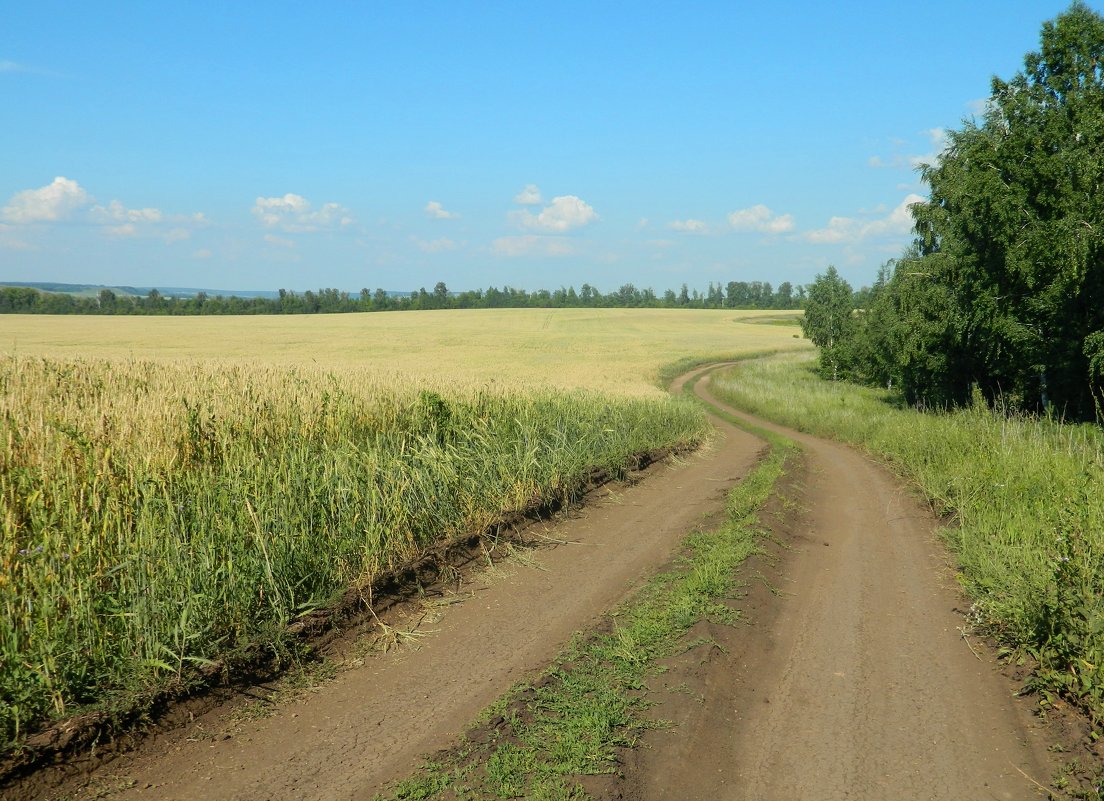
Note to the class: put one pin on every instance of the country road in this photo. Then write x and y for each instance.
(855, 683)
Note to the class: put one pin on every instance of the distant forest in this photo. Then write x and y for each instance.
(733, 295)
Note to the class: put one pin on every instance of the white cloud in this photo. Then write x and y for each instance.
(529, 196)
(14, 67)
(279, 241)
(531, 245)
(49, 203)
(438, 212)
(124, 231)
(202, 253)
(978, 107)
(435, 245)
(760, 218)
(563, 214)
(294, 214)
(660, 243)
(939, 142)
(851, 230)
(177, 234)
(688, 226)
(117, 212)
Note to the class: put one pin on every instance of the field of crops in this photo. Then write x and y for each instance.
(173, 490)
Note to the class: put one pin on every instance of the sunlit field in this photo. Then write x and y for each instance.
(616, 350)
(176, 490)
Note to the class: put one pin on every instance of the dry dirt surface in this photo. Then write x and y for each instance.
(852, 681)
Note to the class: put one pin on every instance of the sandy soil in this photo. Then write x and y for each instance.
(852, 682)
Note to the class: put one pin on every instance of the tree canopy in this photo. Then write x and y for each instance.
(1004, 287)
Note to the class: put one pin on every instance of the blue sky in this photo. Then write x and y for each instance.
(258, 146)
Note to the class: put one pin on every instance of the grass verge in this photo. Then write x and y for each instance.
(541, 738)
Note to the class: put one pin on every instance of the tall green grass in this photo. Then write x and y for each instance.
(155, 517)
(1027, 497)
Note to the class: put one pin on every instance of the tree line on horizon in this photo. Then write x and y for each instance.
(1001, 296)
(733, 295)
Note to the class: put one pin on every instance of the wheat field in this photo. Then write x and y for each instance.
(174, 490)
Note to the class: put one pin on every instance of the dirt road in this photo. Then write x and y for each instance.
(854, 683)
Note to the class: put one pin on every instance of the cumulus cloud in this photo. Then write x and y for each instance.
(688, 226)
(65, 200)
(438, 212)
(50, 203)
(294, 214)
(851, 230)
(531, 245)
(529, 196)
(116, 212)
(564, 213)
(762, 219)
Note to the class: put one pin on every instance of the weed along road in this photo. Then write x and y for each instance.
(857, 683)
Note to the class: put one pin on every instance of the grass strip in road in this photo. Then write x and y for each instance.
(539, 740)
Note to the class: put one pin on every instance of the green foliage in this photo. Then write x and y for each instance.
(1005, 286)
(48, 298)
(829, 321)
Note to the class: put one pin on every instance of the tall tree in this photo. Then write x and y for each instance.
(1012, 240)
(829, 320)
